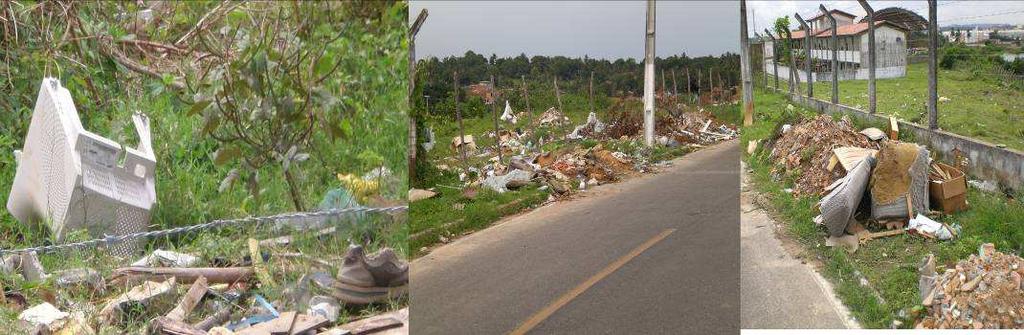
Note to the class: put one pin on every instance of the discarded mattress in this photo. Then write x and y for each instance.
(73, 179)
(839, 205)
(902, 170)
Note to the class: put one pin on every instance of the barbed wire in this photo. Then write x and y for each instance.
(108, 240)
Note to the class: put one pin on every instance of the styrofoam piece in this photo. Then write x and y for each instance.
(70, 179)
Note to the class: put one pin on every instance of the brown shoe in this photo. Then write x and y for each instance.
(354, 270)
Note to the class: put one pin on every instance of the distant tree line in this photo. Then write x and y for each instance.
(621, 77)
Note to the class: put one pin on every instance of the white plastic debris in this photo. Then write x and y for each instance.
(167, 258)
(429, 143)
(72, 179)
(923, 224)
(984, 185)
(44, 314)
(508, 115)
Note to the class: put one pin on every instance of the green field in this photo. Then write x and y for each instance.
(979, 105)
(890, 264)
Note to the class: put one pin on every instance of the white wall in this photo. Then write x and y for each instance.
(890, 47)
(859, 74)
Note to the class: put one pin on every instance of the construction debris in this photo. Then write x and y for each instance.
(839, 206)
(807, 148)
(44, 316)
(592, 128)
(899, 182)
(552, 117)
(508, 115)
(467, 142)
(397, 321)
(947, 188)
(983, 291)
(145, 294)
(513, 179)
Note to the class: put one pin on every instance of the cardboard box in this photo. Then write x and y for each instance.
(949, 196)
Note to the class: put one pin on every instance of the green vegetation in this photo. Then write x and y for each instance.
(255, 108)
(889, 264)
(978, 105)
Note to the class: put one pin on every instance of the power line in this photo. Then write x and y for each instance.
(983, 15)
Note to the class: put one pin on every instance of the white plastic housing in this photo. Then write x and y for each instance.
(70, 179)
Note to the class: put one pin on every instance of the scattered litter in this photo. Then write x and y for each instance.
(467, 141)
(513, 179)
(592, 128)
(839, 206)
(80, 277)
(807, 148)
(873, 134)
(430, 141)
(508, 115)
(899, 182)
(167, 258)
(947, 188)
(324, 306)
(552, 117)
(31, 268)
(365, 279)
(931, 228)
(985, 185)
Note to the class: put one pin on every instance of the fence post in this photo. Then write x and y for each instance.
(775, 63)
(933, 60)
(675, 90)
(745, 73)
(458, 116)
(591, 91)
(794, 79)
(835, 56)
(494, 113)
(810, 59)
(871, 55)
(526, 95)
(413, 30)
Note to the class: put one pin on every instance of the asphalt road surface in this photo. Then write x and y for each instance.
(656, 254)
(778, 289)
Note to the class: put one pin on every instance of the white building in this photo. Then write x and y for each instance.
(890, 43)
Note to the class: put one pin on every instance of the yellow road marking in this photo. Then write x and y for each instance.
(543, 314)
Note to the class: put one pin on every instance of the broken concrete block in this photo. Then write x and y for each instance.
(501, 183)
(44, 316)
(80, 277)
(148, 293)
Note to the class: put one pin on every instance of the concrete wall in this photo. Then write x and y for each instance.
(858, 74)
(890, 47)
(987, 162)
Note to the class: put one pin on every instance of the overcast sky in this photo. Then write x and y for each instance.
(763, 13)
(599, 29)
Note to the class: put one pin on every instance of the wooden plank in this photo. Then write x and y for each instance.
(894, 128)
(189, 301)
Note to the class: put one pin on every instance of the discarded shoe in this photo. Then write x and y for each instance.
(370, 278)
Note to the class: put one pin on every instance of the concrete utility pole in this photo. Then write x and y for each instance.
(649, 77)
(411, 150)
(458, 116)
(748, 84)
(807, 49)
(933, 61)
(871, 55)
(835, 55)
(775, 62)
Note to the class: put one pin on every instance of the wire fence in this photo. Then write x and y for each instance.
(111, 240)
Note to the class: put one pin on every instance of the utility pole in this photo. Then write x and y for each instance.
(793, 79)
(775, 62)
(458, 116)
(807, 50)
(871, 55)
(835, 57)
(649, 77)
(748, 85)
(411, 150)
(933, 60)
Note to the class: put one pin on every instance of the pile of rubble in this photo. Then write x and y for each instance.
(179, 296)
(983, 291)
(806, 148)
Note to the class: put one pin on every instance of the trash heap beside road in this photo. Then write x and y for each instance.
(866, 180)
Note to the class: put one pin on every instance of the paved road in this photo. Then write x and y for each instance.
(495, 280)
(778, 290)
